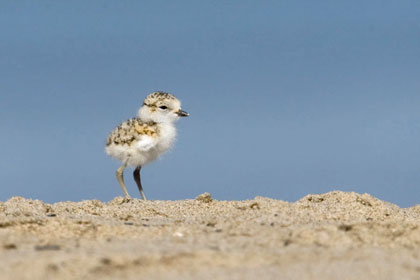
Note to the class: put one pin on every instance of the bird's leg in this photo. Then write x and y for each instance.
(120, 178)
(136, 175)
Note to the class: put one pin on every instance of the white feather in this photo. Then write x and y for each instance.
(145, 143)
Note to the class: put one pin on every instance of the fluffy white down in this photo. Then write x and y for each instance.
(147, 149)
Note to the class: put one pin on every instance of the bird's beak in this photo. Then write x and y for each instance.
(182, 113)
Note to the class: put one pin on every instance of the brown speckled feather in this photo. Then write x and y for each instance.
(130, 131)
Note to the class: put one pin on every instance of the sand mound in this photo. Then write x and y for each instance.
(330, 236)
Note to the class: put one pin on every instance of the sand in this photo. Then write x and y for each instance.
(336, 235)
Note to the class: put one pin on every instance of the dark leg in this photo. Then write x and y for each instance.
(136, 175)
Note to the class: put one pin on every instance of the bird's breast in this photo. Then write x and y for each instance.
(167, 135)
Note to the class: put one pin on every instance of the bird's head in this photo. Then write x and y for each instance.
(161, 107)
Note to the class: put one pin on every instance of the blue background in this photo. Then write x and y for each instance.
(286, 97)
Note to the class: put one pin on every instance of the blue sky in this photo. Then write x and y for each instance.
(286, 97)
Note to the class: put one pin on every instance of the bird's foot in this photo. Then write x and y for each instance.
(126, 199)
(143, 196)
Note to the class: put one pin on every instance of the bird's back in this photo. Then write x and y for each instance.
(130, 131)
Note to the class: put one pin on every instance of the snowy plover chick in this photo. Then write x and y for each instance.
(142, 139)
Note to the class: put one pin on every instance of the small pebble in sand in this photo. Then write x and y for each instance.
(204, 197)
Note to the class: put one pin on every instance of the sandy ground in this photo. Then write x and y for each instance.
(330, 236)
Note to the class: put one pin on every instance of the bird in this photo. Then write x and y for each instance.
(142, 139)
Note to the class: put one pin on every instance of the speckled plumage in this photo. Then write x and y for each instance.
(142, 139)
(158, 97)
(131, 131)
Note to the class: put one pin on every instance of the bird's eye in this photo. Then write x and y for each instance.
(163, 107)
